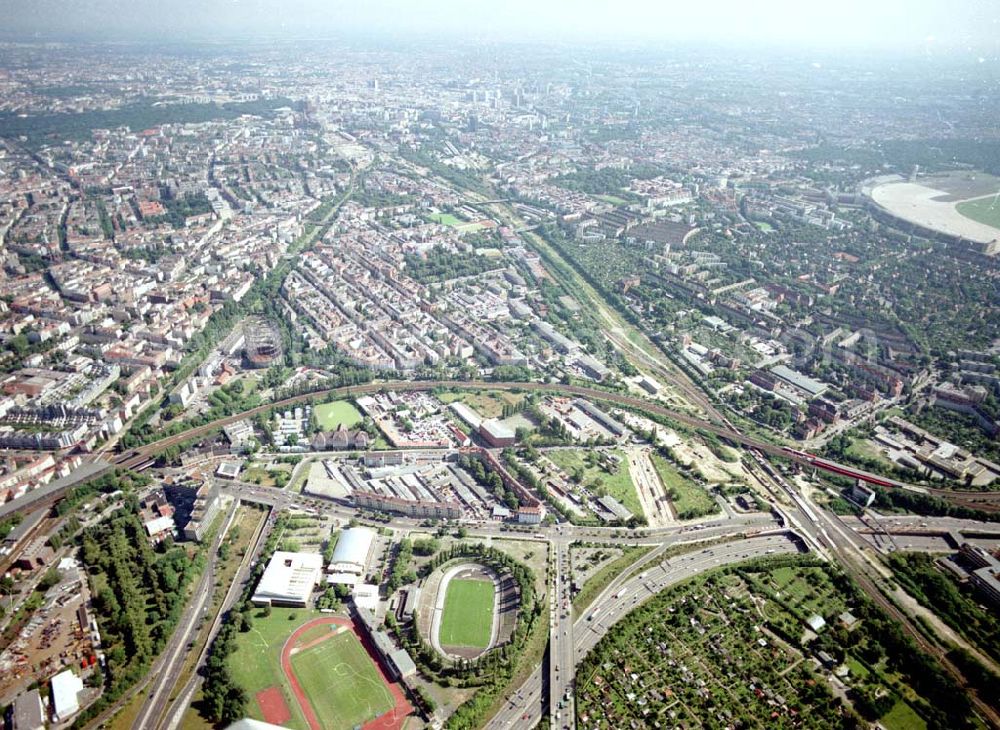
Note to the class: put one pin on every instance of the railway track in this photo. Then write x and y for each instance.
(925, 644)
(985, 500)
(143, 455)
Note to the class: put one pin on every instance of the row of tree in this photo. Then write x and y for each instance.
(957, 605)
(490, 479)
(400, 573)
(138, 594)
(491, 671)
(224, 700)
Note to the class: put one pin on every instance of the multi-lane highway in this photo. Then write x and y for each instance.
(816, 528)
(524, 707)
(721, 526)
(562, 656)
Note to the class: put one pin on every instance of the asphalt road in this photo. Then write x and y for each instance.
(144, 454)
(169, 660)
(525, 706)
(169, 713)
(561, 533)
(562, 655)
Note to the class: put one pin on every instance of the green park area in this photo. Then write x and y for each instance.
(341, 681)
(902, 717)
(447, 219)
(586, 468)
(689, 499)
(339, 413)
(468, 614)
(488, 404)
(982, 210)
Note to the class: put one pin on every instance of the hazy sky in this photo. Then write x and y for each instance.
(829, 23)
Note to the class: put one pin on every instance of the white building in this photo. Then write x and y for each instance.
(365, 595)
(66, 688)
(248, 723)
(289, 579)
(350, 557)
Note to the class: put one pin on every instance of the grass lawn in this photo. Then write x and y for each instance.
(446, 219)
(602, 578)
(688, 498)
(618, 484)
(315, 632)
(256, 663)
(764, 226)
(781, 577)
(341, 682)
(468, 614)
(982, 210)
(902, 717)
(258, 475)
(865, 449)
(795, 592)
(858, 669)
(613, 199)
(126, 717)
(332, 415)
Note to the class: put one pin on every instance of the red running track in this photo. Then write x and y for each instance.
(391, 720)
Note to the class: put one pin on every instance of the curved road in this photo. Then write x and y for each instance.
(524, 707)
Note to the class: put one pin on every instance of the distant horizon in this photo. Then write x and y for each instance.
(379, 40)
(916, 27)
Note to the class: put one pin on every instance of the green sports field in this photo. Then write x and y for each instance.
(331, 415)
(468, 614)
(446, 219)
(341, 682)
(469, 227)
(613, 199)
(256, 663)
(982, 210)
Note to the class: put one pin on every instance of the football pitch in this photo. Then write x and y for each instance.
(982, 210)
(446, 219)
(341, 682)
(331, 415)
(468, 614)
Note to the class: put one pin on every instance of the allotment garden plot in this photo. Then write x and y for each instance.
(782, 642)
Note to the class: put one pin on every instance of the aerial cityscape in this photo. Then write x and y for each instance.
(448, 379)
